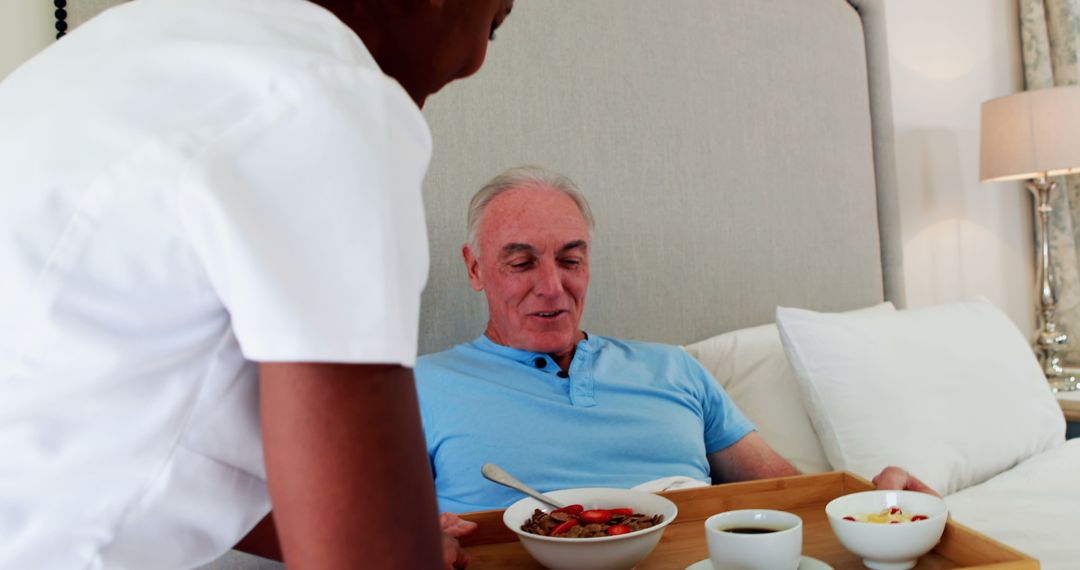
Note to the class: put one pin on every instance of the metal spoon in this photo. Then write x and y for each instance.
(497, 474)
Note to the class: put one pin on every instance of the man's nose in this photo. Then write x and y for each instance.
(548, 280)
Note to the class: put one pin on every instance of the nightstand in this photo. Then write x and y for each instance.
(1070, 404)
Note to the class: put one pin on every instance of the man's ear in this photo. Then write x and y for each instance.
(472, 267)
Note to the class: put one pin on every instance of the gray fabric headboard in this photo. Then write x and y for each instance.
(737, 154)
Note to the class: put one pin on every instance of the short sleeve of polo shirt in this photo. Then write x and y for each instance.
(725, 423)
(306, 213)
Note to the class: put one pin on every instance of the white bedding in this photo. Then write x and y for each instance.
(1033, 507)
(1026, 492)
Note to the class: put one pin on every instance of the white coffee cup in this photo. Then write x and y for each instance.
(776, 545)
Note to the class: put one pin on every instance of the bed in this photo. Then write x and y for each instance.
(738, 156)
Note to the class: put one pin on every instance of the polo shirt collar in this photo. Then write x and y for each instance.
(589, 344)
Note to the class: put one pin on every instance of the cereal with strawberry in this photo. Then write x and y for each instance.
(574, 521)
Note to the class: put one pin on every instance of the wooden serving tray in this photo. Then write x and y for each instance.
(494, 546)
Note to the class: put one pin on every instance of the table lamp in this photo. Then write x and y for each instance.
(1032, 136)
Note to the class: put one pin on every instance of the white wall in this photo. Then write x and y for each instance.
(961, 237)
(26, 26)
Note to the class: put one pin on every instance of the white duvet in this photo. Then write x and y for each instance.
(1033, 507)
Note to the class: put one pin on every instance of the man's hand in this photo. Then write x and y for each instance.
(454, 527)
(896, 478)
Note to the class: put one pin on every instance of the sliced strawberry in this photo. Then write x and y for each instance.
(570, 509)
(849, 519)
(595, 516)
(894, 510)
(623, 511)
(563, 527)
(618, 529)
(919, 518)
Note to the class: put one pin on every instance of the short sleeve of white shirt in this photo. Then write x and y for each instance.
(307, 214)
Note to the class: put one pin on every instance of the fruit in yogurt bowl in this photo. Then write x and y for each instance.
(887, 546)
(888, 515)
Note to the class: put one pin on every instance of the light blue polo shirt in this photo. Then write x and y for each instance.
(629, 412)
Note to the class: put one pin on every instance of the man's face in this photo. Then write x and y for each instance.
(466, 27)
(533, 267)
(424, 44)
(477, 22)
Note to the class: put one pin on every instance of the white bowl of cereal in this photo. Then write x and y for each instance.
(602, 529)
(889, 530)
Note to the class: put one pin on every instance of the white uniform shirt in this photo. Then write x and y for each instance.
(187, 186)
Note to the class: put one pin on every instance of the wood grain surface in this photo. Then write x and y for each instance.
(494, 546)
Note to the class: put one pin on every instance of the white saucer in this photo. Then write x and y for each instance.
(806, 563)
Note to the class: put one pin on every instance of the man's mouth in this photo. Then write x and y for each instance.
(548, 314)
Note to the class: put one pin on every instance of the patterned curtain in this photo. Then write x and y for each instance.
(1050, 35)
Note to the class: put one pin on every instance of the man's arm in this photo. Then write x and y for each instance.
(262, 540)
(752, 458)
(348, 475)
(746, 459)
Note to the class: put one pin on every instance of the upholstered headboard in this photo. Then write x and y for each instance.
(737, 154)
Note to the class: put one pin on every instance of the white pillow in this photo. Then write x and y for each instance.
(751, 366)
(953, 393)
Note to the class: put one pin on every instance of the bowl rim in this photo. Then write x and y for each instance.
(944, 514)
(594, 539)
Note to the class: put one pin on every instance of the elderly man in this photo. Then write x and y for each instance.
(554, 405)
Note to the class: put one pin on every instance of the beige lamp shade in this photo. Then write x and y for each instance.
(1030, 134)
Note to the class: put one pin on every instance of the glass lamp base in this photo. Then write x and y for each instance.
(1063, 383)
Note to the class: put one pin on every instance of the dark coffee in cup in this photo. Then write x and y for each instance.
(749, 530)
